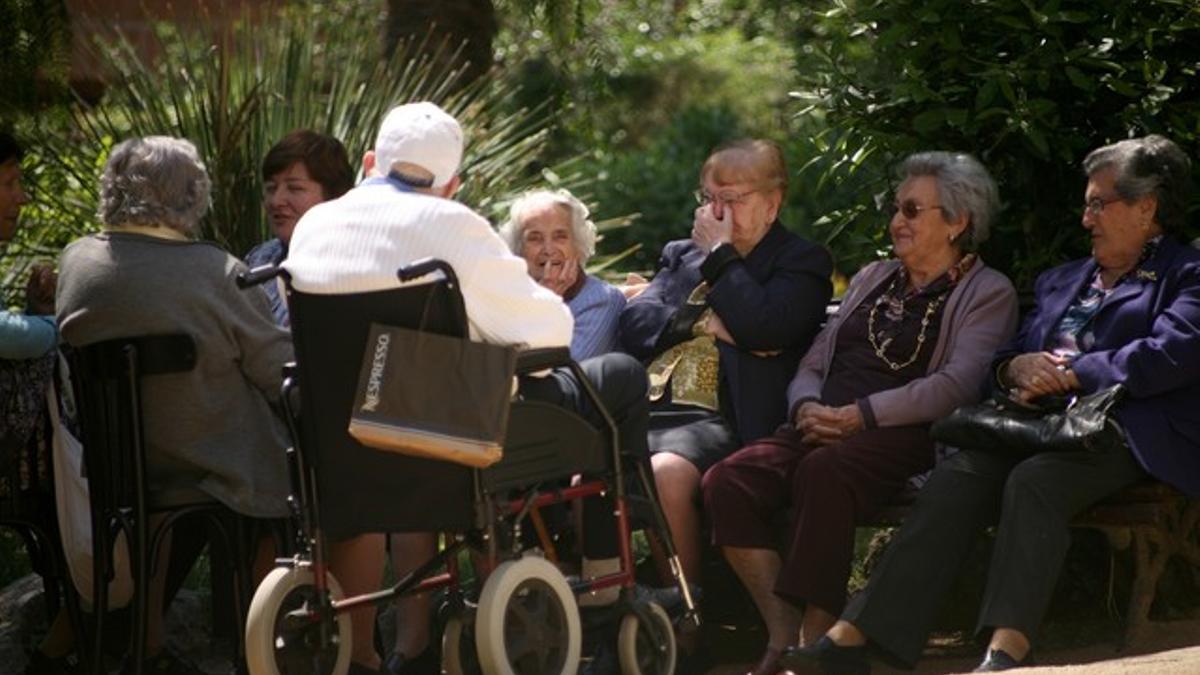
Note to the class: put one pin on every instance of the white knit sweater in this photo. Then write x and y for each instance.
(357, 242)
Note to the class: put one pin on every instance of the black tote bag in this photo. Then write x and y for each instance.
(429, 395)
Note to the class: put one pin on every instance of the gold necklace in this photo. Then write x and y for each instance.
(881, 347)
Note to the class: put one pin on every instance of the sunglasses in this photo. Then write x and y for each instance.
(908, 208)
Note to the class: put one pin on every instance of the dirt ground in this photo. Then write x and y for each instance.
(1167, 648)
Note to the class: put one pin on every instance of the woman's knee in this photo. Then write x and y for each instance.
(677, 479)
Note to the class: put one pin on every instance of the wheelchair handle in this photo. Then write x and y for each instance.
(426, 266)
(258, 275)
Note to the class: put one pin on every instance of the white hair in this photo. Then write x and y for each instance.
(583, 230)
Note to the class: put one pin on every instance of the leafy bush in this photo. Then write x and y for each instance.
(1028, 87)
(235, 94)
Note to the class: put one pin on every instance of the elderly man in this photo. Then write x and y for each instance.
(552, 232)
(404, 212)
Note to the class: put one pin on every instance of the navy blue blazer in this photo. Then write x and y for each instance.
(1147, 336)
(772, 300)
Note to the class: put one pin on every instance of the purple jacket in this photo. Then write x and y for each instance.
(1147, 336)
(980, 316)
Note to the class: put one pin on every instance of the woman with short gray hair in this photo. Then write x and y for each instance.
(551, 230)
(210, 432)
(152, 181)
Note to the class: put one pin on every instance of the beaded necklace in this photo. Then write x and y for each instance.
(895, 310)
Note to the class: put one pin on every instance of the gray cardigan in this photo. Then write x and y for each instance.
(980, 316)
(211, 430)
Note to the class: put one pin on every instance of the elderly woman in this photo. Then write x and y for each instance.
(552, 232)
(210, 432)
(27, 342)
(302, 170)
(1128, 314)
(911, 341)
(722, 326)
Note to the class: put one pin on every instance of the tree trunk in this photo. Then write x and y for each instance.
(472, 22)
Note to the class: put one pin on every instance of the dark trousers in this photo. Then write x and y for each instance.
(621, 384)
(830, 489)
(1035, 500)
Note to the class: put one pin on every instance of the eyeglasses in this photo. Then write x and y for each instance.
(704, 197)
(908, 208)
(1095, 205)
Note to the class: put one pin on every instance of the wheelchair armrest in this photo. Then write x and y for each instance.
(531, 360)
(258, 275)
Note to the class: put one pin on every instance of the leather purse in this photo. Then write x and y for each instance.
(1004, 425)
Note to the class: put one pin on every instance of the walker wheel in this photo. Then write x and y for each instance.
(527, 622)
(282, 640)
(458, 645)
(646, 642)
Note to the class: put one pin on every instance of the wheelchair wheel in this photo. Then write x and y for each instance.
(646, 647)
(273, 647)
(458, 646)
(527, 622)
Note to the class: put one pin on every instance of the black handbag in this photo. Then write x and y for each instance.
(1002, 424)
(433, 396)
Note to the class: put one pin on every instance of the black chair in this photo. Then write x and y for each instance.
(106, 379)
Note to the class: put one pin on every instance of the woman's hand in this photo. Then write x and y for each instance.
(716, 328)
(39, 290)
(823, 425)
(559, 278)
(1039, 374)
(707, 231)
(635, 284)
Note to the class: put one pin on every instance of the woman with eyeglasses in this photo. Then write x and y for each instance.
(722, 327)
(911, 341)
(1128, 314)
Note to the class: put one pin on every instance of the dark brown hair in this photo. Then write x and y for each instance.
(324, 157)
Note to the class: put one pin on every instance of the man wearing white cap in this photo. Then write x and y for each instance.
(403, 212)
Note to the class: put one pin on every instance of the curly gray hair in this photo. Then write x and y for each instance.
(1149, 165)
(583, 230)
(156, 180)
(964, 187)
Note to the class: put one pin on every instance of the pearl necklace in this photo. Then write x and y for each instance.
(881, 344)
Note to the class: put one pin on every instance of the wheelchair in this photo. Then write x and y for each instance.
(520, 616)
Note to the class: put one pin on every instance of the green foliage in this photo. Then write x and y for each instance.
(34, 54)
(236, 93)
(1027, 86)
(646, 91)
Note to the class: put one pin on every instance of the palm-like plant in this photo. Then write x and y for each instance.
(239, 89)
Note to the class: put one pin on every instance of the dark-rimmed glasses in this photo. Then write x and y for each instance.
(703, 197)
(1095, 205)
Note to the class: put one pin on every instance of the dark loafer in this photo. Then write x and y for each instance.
(826, 657)
(998, 659)
(421, 664)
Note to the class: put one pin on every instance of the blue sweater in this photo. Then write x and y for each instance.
(597, 311)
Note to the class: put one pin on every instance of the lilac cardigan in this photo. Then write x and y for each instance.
(980, 316)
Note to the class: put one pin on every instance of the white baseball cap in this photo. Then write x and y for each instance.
(421, 134)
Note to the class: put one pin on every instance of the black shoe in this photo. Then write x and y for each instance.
(826, 657)
(357, 668)
(421, 664)
(997, 659)
(40, 664)
(603, 662)
(167, 662)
